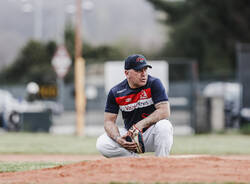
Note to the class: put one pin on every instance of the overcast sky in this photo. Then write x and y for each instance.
(105, 22)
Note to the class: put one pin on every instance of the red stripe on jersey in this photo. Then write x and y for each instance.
(133, 98)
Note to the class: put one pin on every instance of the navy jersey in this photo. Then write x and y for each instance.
(135, 104)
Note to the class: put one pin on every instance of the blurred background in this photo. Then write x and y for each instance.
(205, 45)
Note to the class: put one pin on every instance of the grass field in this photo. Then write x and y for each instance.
(40, 143)
(23, 166)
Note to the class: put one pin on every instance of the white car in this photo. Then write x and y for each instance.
(12, 108)
(9, 111)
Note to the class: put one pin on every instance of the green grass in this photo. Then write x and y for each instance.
(42, 143)
(216, 144)
(23, 166)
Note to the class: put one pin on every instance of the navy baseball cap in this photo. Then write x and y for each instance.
(136, 62)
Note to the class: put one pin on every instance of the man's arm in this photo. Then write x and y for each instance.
(162, 112)
(110, 126)
(113, 131)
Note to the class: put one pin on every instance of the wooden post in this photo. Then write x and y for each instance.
(80, 100)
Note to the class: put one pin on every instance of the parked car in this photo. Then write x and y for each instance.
(11, 109)
(10, 117)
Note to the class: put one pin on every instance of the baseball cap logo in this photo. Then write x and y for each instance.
(140, 59)
(136, 62)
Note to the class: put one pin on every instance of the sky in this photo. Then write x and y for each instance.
(104, 22)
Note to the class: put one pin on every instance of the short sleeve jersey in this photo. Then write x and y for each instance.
(135, 104)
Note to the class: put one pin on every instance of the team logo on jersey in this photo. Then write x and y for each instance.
(134, 101)
(128, 100)
(143, 95)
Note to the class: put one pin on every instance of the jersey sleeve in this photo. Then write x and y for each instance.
(158, 92)
(111, 105)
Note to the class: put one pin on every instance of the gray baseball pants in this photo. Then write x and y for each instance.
(157, 138)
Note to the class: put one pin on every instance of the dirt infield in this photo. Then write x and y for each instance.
(96, 169)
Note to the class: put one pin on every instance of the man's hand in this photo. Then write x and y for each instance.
(131, 146)
(135, 135)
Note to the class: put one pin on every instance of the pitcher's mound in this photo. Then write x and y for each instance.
(141, 170)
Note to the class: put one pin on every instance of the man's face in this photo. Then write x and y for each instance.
(137, 78)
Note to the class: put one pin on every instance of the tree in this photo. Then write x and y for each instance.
(98, 53)
(207, 31)
(32, 64)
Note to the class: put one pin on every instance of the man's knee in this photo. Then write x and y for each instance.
(163, 137)
(164, 127)
(101, 145)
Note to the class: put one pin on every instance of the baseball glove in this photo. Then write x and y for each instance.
(135, 135)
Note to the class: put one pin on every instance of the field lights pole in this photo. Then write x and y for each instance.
(80, 100)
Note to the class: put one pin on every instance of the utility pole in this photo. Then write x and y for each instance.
(80, 99)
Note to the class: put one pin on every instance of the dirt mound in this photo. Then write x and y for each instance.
(144, 170)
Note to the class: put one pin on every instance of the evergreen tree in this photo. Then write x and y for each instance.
(32, 64)
(207, 31)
